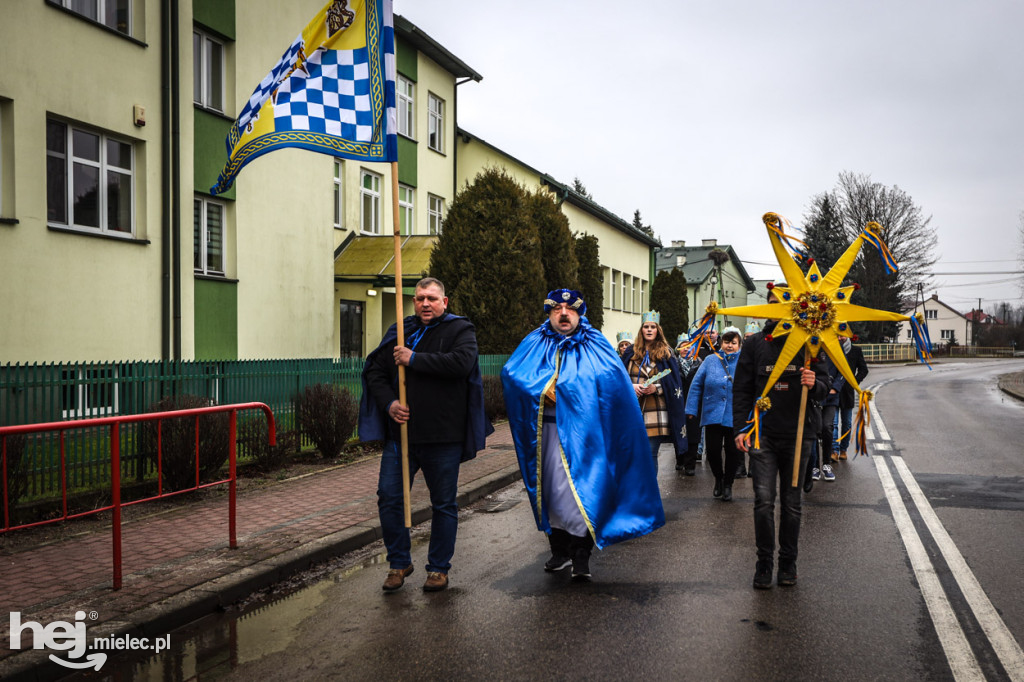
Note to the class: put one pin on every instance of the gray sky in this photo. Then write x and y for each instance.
(706, 114)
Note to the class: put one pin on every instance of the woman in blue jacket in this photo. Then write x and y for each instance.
(710, 397)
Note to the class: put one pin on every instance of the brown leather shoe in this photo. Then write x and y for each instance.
(396, 578)
(435, 582)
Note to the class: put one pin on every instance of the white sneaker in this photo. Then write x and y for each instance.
(827, 473)
(815, 474)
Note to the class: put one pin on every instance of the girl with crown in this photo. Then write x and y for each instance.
(658, 384)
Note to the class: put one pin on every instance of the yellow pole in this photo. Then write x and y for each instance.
(800, 423)
(400, 328)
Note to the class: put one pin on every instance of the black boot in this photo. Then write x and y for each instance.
(717, 492)
(561, 554)
(581, 547)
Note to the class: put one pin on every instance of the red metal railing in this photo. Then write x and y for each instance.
(115, 465)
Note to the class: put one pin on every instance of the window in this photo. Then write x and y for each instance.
(208, 236)
(89, 180)
(615, 289)
(435, 120)
(90, 392)
(207, 71)
(369, 209)
(406, 112)
(115, 14)
(635, 298)
(406, 223)
(625, 293)
(947, 334)
(931, 314)
(910, 335)
(435, 213)
(339, 194)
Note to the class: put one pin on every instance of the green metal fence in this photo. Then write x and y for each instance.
(50, 392)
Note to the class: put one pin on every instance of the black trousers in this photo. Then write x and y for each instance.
(689, 458)
(565, 544)
(717, 437)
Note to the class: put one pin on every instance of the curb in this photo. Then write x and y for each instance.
(158, 619)
(1012, 385)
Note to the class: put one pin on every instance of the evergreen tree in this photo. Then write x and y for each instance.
(591, 283)
(558, 257)
(638, 223)
(668, 297)
(489, 258)
(824, 234)
(580, 188)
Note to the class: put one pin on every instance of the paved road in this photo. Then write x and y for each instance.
(893, 584)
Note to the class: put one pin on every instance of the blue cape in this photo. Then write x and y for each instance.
(600, 427)
(675, 397)
(373, 421)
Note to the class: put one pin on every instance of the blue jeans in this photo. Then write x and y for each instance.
(846, 419)
(440, 465)
(774, 461)
(656, 442)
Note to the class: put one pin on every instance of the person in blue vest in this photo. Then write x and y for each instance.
(580, 437)
(710, 397)
(446, 425)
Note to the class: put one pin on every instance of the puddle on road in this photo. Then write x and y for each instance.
(262, 624)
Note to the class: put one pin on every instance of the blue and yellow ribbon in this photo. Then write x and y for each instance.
(870, 234)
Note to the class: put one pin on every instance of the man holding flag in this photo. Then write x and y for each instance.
(445, 420)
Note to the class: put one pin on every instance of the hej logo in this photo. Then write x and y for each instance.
(59, 635)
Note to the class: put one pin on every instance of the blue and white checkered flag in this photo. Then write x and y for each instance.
(333, 92)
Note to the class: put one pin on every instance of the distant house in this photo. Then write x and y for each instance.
(945, 324)
(981, 317)
(702, 284)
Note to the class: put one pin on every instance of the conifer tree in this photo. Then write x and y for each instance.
(590, 283)
(668, 297)
(489, 258)
(558, 247)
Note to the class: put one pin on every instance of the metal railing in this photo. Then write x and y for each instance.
(115, 424)
(900, 352)
(54, 392)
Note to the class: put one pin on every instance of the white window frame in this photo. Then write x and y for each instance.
(369, 202)
(435, 123)
(623, 299)
(616, 288)
(101, 13)
(406, 209)
(947, 334)
(931, 314)
(339, 194)
(203, 230)
(435, 213)
(203, 67)
(79, 393)
(405, 91)
(104, 168)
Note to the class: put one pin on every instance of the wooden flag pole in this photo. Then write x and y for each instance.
(400, 328)
(800, 423)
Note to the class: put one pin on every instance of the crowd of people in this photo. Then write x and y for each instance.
(588, 421)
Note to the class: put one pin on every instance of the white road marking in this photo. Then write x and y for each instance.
(951, 636)
(883, 446)
(1005, 646)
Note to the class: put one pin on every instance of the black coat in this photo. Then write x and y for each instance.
(756, 363)
(855, 358)
(442, 381)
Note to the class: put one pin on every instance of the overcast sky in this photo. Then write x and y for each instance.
(706, 114)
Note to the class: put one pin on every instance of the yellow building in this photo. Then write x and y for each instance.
(626, 254)
(110, 139)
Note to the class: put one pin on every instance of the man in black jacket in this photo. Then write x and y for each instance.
(774, 459)
(445, 420)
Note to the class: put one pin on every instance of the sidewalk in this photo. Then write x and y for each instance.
(1013, 384)
(178, 567)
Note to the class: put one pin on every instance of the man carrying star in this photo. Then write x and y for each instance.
(774, 459)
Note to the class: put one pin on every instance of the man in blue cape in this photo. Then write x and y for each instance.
(580, 437)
